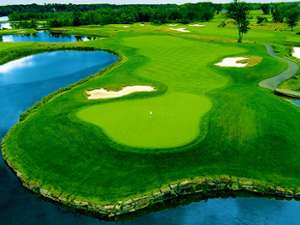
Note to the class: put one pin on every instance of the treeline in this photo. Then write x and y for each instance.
(57, 15)
(35, 8)
(281, 12)
(109, 14)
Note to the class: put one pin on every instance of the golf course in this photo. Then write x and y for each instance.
(183, 110)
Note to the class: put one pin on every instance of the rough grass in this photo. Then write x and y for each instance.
(251, 60)
(249, 131)
(291, 84)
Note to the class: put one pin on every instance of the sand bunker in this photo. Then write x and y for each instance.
(296, 52)
(106, 94)
(233, 62)
(172, 25)
(197, 25)
(180, 29)
(5, 26)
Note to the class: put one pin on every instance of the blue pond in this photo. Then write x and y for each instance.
(27, 80)
(43, 36)
(295, 102)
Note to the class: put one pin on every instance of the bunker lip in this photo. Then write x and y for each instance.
(238, 62)
(197, 25)
(182, 29)
(103, 93)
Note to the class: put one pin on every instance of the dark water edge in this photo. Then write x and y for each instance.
(22, 83)
(18, 206)
(44, 36)
(295, 102)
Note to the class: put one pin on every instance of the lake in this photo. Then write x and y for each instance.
(25, 81)
(43, 36)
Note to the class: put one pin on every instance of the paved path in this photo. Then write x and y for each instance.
(273, 82)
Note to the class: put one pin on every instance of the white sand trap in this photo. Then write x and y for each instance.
(105, 94)
(126, 26)
(182, 29)
(296, 52)
(172, 25)
(232, 62)
(142, 25)
(197, 25)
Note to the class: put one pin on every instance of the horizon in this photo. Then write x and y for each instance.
(124, 2)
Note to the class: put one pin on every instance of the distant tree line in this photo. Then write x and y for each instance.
(35, 8)
(57, 15)
(281, 12)
(67, 15)
(288, 13)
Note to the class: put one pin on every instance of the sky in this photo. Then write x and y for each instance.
(10, 2)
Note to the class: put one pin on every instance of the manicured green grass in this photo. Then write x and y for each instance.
(166, 121)
(184, 67)
(236, 128)
(17, 31)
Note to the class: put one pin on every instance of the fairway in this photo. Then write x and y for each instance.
(173, 119)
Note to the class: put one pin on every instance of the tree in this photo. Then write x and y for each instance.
(239, 12)
(261, 19)
(265, 8)
(277, 14)
(292, 18)
(76, 19)
(70, 14)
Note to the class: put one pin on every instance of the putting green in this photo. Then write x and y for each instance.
(166, 121)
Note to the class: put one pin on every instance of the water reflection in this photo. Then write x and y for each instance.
(44, 36)
(26, 80)
(15, 65)
(4, 24)
(230, 211)
(23, 82)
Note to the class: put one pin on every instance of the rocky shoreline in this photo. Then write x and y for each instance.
(192, 189)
